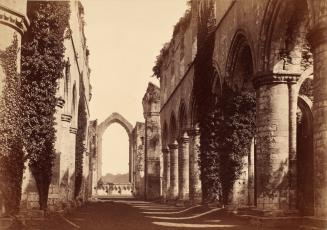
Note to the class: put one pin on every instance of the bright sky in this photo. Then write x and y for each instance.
(124, 37)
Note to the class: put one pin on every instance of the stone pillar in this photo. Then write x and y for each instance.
(151, 108)
(131, 160)
(63, 147)
(72, 152)
(318, 40)
(195, 181)
(272, 141)
(184, 168)
(292, 145)
(173, 149)
(166, 172)
(251, 177)
(13, 23)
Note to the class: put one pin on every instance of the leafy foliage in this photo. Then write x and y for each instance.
(80, 139)
(227, 120)
(42, 66)
(180, 27)
(232, 126)
(11, 146)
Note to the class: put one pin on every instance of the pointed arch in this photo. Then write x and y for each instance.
(102, 127)
(172, 128)
(240, 63)
(165, 134)
(182, 118)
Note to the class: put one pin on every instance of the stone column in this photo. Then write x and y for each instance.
(65, 170)
(13, 23)
(292, 86)
(272, 141)
(151, 108)
(99, 157)
(72, 152)
(195, 181)
(166, 172)
(318, 40)
(184, 168)
(173, 149)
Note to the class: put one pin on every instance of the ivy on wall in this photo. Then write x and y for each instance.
(227, 120)
(80, 139)
(11, 148)
(42, 66)
(180, 27)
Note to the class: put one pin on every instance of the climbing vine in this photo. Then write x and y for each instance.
(227, 120)
(80, 140)
(11, 148)
(42, 66)
(180, 27)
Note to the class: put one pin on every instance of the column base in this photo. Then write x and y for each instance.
(310, 223)
(251, 210)
(183, 203)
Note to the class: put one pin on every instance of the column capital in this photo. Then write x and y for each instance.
(165, 149)
(66, 117)
(173, 145)
(193, 132)
(282, 77)
(184, 138)
(60, 102)
(73, 130)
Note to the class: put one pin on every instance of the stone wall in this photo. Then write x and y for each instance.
(275, 35)
(13, 22)
(153, 156)
(138, 152)
(61, 193)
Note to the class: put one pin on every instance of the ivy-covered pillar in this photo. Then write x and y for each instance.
(13, 24)
(194, 149)
(173, 149)
(183, 152)
(151, 108)
(166, 172)
(318, 40)
(272, 141)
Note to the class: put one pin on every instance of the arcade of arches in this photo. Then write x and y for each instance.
(277, 53)
(273, 50)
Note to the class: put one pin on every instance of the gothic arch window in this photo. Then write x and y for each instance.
(172, 128)
(74, 100)
(67, 79)
(182, 118)
(240, 64)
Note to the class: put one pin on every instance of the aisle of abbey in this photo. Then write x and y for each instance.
(274, 50)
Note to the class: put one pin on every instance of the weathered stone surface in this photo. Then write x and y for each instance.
(173, 149)
(61, 189)
(280, 35)
(183, 166)
(153, 156)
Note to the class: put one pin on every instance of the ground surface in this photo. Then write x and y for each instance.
(140, 215)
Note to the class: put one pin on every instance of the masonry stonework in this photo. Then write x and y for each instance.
(76, 73)
(153, 156)
(282, 42)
